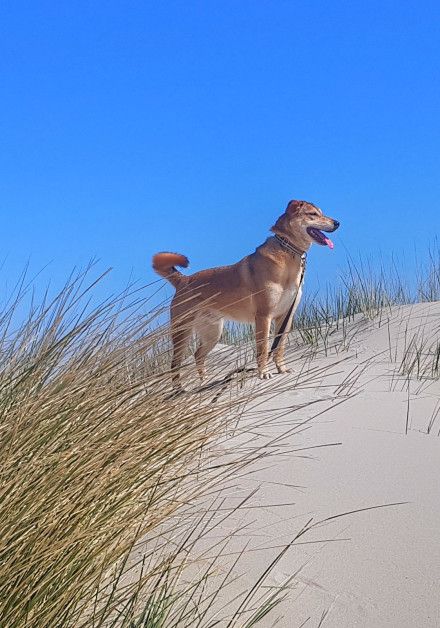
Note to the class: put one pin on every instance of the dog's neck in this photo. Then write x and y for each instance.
(286, 244)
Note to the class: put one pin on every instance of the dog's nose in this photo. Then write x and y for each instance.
(336, 223)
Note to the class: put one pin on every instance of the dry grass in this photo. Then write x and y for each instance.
(98, 459)
(97, 456)
(421, 355)
(94, 452)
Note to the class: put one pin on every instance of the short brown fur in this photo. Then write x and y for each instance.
(260, 288)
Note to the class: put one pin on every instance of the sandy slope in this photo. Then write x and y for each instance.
(379, 568)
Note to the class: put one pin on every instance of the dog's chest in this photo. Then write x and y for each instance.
(282, 299)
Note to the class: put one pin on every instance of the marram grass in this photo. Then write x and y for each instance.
(96, 457)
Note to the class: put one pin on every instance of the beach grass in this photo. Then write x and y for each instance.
(98, 458)
(109, 481)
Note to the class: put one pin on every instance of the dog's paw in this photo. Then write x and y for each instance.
(282, 369)
(265, 375)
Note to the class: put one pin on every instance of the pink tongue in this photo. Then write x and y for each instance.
(328, 242)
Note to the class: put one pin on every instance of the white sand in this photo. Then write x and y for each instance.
(379, 568)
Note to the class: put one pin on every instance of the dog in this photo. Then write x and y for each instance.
(258, 289)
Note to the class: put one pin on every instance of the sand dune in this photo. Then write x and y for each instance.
(378, 568)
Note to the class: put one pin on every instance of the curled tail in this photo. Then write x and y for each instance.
(165, 266)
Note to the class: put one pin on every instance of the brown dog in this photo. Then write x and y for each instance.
(260, 289)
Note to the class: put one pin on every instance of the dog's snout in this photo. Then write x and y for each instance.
(336, 224)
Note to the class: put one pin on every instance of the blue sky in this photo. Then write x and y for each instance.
(136, 126)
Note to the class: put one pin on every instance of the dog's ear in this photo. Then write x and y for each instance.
(293, 207)
(282, 224)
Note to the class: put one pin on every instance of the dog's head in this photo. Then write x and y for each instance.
(303, 224)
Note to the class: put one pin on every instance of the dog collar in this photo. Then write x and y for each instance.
(291, 248)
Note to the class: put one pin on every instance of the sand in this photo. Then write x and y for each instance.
(378, 568)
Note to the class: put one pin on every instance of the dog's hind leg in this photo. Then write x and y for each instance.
(180, 337)
(262, 330)
(209, 329)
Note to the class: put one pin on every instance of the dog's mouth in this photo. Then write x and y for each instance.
(319, 237)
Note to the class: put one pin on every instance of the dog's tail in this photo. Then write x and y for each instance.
(165, 266)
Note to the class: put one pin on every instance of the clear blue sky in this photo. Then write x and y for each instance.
(137, 126)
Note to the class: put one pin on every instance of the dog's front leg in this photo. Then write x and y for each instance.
(262, 330)
(279, 353)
